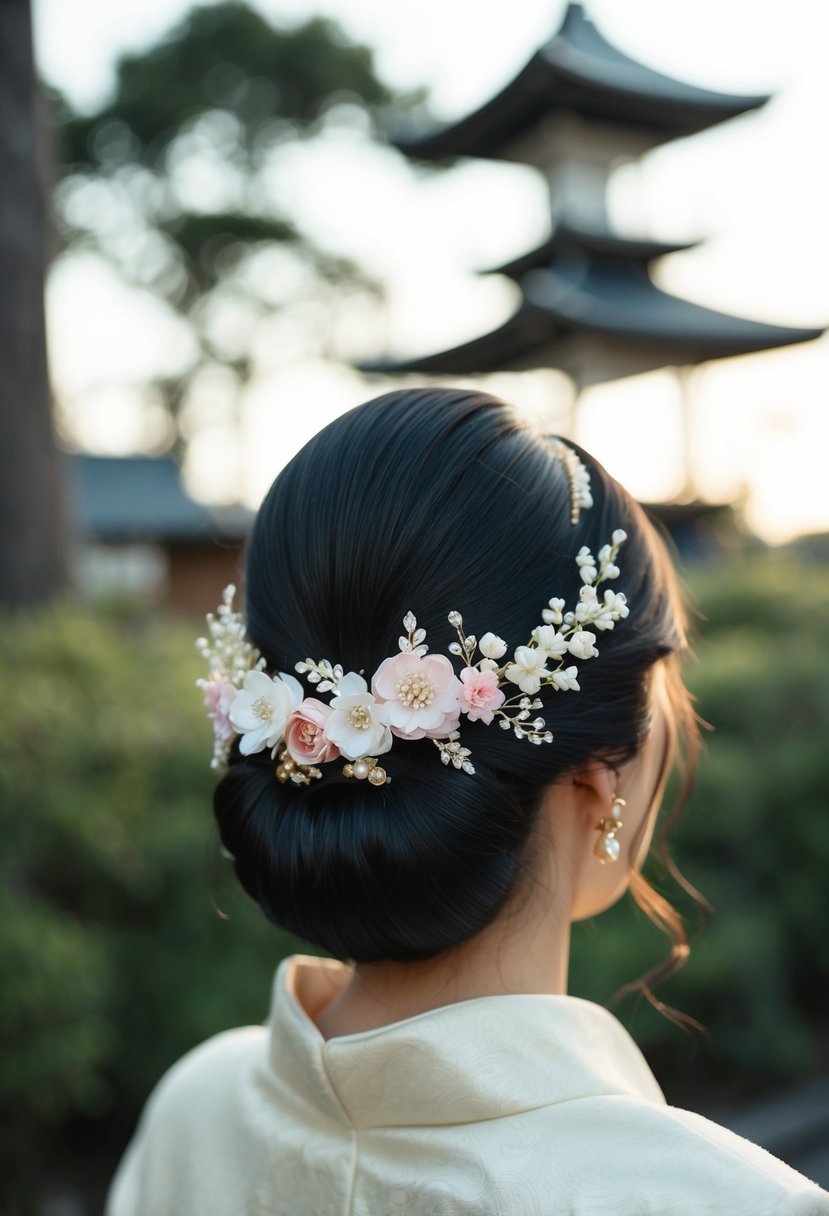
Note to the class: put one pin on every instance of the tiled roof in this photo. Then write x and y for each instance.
(141, 498)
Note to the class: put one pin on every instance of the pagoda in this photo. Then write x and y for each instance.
(589, 306)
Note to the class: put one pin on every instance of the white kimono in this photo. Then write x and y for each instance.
(525, 1105)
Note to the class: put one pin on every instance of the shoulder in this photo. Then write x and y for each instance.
(195, 1113)
(213, 1069)
(659, 1158)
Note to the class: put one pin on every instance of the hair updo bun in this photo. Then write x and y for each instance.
(429, 500)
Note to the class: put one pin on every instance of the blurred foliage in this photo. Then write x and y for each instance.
(115, 958)
(175, 179)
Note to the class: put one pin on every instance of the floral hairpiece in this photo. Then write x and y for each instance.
(412, 694)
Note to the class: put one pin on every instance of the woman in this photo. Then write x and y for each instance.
(372, 806)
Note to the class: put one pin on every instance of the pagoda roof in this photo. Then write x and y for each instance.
(579, 72)
(637, 325)
(121, 499)
(567, 236)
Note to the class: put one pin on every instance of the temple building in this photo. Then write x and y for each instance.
(589, 307)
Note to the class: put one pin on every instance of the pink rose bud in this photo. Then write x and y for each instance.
(304, 733)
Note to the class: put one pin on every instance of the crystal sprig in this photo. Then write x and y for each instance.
(451, 752)
(415, 640)
(325, 675)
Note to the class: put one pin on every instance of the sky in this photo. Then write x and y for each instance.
(755, 188)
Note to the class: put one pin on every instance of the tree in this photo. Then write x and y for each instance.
(32, 543)
(171, 180)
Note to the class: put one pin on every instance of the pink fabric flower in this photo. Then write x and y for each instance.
(304, 733)
(218, 698)
(480, 694)
(418, 696)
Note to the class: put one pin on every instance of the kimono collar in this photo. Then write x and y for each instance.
(460, 1063)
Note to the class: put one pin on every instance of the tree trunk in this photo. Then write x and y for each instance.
(32, 538)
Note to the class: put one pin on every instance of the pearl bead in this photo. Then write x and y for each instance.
(360, 769)
(611, 848)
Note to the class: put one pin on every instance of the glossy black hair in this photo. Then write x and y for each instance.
(430, 499)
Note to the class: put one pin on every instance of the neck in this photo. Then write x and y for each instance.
(525, 950)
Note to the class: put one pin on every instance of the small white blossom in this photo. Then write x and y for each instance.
(607, 569)
(488, 665)
(586, 563)
(581, 644)
(565, 680)
(619, 537)
(552, 615)
(616, 603)
(588, 606)
(613, 608)
(528, 669)
(492, 646)
(549, 641)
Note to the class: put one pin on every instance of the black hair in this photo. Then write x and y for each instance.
(430, 500)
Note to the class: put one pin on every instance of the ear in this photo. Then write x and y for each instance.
(594, 787)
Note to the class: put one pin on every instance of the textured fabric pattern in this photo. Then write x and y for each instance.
(527, 1105)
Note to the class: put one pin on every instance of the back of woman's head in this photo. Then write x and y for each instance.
(430, 500)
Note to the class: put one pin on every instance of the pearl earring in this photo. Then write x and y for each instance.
(607, 846)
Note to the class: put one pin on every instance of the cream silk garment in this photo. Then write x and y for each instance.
(527, 1105)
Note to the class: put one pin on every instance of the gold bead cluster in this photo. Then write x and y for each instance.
(288, 770)
(366, 769)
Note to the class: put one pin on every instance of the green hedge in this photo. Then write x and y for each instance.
(124, 940)
(115, 951)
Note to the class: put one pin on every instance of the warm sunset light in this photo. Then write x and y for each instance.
(756, 425)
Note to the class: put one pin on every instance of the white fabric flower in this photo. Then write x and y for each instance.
(355, 725)
(581, 644)
(565, 680)
(492, 646)
(261, 708)
(550, 642)
(528, 669)
(552, 615)
(488, 665)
